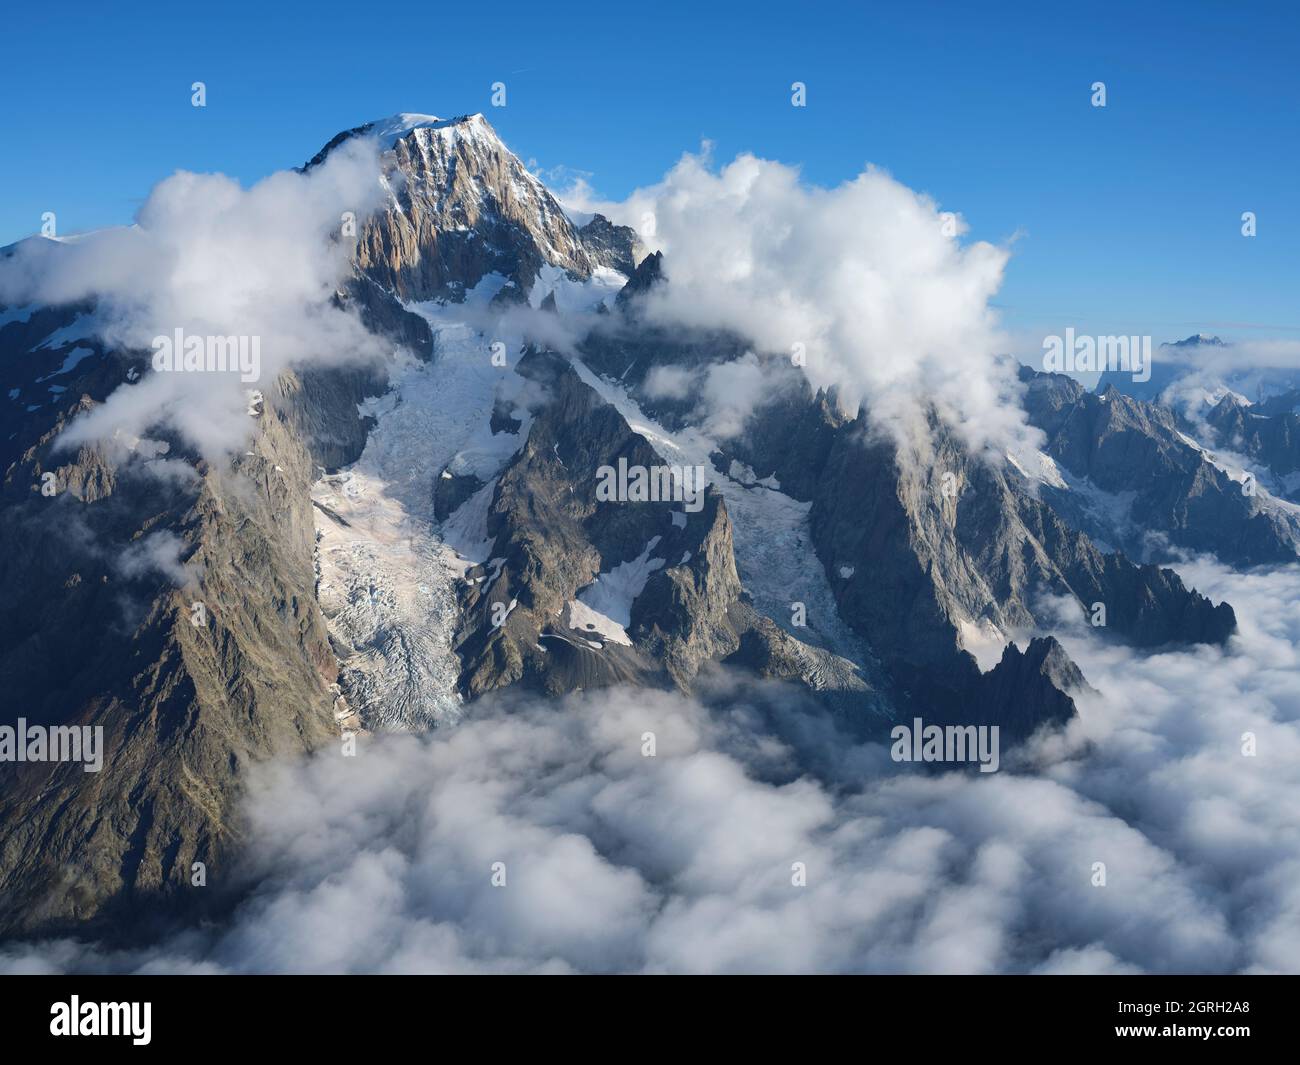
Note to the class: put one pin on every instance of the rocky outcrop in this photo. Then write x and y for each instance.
(1027, 691)
(615, 247)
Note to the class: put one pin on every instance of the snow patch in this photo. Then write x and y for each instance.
(607, 601)
(75, 356)
(584, 619)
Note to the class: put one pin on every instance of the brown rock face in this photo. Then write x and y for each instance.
(106, 576)
(101, 629)
(461, 206)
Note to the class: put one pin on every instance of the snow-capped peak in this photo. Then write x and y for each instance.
(1196, 340)
(391, 129)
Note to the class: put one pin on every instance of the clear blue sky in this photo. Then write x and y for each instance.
(1129, 216)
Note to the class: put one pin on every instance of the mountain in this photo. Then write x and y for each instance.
(99, 626)
(921, 574)
(1131, 473)
(1200, 364)
(402, 538)
(461, 206)
(1265, 435)
(1170, 362)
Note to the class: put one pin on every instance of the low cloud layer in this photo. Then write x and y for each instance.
(683, 862)
(868, 281)
(1250, 368)
(211, 258)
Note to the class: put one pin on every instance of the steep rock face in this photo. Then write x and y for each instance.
(683, 616)
(1135, 452)
(1267, 433)
(793, 435)
(931, 557)
(616, 247)
(1148, 605)
(952, 544)
(1027, 691)
(105, 581)
(460, 206)
(648, 273)
(98, 630)
(553, 537)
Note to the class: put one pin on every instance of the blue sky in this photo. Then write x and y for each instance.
(1128, 217)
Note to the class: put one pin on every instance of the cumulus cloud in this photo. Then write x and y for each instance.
(868, 281)
(211, 258)
(685, 861)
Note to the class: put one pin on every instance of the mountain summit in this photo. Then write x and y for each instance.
(460, 205)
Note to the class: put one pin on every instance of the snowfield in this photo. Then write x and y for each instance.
(388, 577)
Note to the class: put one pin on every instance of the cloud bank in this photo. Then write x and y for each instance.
(1249, 368)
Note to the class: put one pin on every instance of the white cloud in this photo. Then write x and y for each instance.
(212, 258)
(864, 276)
(158, 551)
(725, 393)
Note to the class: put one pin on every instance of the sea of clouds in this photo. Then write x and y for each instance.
(684, 862)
